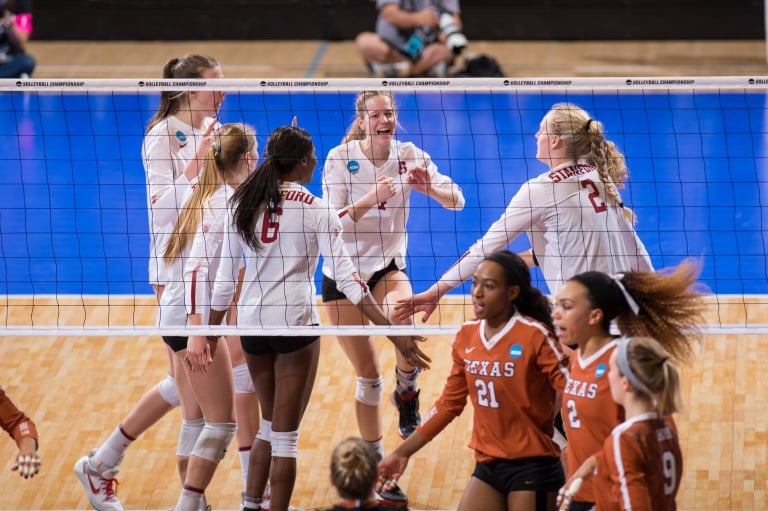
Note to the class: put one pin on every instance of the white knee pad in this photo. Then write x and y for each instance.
(369, 390)
(212, 443)
(243, 382)
(285, 444)
(265, 431)
(168, 391)
(188, 434)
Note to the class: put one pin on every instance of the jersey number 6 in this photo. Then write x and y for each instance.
(270, 227)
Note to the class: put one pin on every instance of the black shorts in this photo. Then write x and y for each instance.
(581, 506)
(176, 343)
(331, 293)
(263, 344)
(539, 474)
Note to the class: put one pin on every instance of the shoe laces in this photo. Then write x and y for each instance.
(110, 487)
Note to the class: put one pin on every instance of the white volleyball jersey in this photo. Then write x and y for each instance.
(183, 284)
(279, 287)
(379, 237)
(572, 227)
(166, 150)
(202, 262)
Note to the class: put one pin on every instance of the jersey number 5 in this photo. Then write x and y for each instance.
(270, 227)
(594, 195)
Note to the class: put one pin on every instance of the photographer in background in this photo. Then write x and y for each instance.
(15, 28)
(413, 38)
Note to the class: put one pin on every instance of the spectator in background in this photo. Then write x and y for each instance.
(24, 433)
(15, 29)
(413, 38)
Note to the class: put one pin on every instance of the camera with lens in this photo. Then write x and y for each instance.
(454, 38)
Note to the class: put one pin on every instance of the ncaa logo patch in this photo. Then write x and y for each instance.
(516, 351)
(600, 370)
(182, 138)
(353, 166)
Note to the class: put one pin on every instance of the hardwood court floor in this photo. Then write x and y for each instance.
(78, 389)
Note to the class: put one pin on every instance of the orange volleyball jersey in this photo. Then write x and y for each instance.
(640, 466)
(589, 411)
(512, 380)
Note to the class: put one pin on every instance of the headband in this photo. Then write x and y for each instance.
(626, 369)
(630, 301)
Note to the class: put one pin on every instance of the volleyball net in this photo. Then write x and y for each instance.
(74, 231)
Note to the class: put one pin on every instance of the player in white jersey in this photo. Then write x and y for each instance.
(281, 229)
(572, 213)
(192, 254)
(369, 179)
(172, 154)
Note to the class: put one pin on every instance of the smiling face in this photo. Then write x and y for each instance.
(379, 120)
(575, 319)
(491, 294)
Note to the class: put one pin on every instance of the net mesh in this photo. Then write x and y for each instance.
(74, 241)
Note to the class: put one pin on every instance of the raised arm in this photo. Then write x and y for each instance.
(437, 186)
(168, 191)
(518, 217)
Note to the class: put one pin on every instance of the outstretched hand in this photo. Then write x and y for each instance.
(567, 492)
(573, 484)
(390, 470)
(425, 302)
(27, 462)
(408, 346)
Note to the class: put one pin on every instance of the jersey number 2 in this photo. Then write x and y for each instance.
(270, 227)
(594, 195)
(573, 417)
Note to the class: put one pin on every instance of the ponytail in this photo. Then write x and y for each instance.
(260, 193)
(645, 364)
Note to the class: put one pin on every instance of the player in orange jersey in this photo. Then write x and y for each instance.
(513, 370)
(665, 304)
(640, 464)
